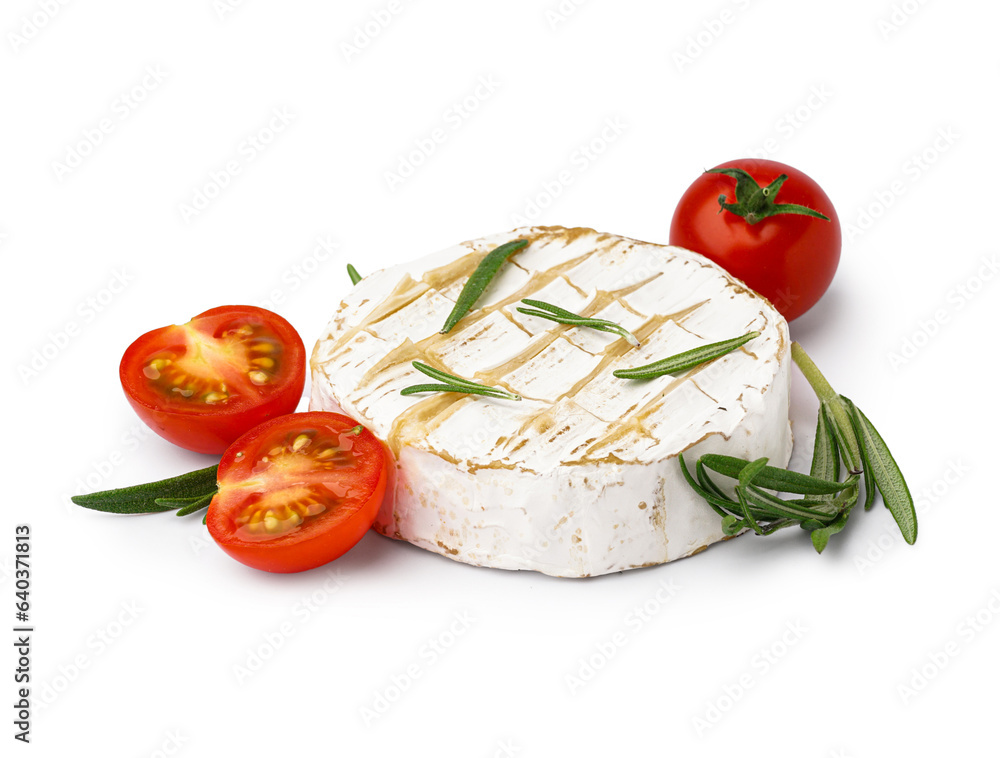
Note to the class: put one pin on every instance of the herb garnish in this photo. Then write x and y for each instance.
(353, 273)
(186, 494)
(843, 433)
(452, 383)
(684, 361)
(480, 279)
(562, 316)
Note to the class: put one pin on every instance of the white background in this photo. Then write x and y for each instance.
(145, 631)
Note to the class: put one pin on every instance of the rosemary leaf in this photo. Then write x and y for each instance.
(177, 502)
(870, 487)
(804, 509)
(776, 525)
(719, 503)
(774, 478)
(820, 537)
(888, 478)
(551, 312)
(706, 481)
(826, 459)
(731, 526)
(838, 415)
(747, 475)
(480, 279)
(353, 273)
(142, 498)
(686, 360)
(197, 505)
(451, 383)
(485, 391)
(442, 376)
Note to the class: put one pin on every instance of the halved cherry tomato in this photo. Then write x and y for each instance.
(204, 383)
(298, 491)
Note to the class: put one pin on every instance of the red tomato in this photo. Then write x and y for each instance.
(298, 491)
(203, 384)
(760, 235)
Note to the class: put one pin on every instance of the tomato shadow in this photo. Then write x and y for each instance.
(821, 319)
(374, 554)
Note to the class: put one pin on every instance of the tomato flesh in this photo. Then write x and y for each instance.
(298, 491)
(789, 259)
(203, 384)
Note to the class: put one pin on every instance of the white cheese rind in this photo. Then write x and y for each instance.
(580, 478)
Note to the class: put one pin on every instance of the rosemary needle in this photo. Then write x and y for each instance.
(562, 316)
(480, 279)
(452, 383)
(353, 273)
(684, 361)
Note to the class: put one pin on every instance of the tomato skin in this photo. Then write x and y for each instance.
(789, 259)
(324, 537)
(211, 429)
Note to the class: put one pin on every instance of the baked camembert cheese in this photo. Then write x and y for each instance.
(580, 477)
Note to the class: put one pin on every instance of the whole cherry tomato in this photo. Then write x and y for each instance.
(785, 247)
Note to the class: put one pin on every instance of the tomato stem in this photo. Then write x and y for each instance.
(754, 202)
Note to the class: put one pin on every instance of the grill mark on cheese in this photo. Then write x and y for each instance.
(428, 414)
(405, 293)
(701, 389)
(580, 291)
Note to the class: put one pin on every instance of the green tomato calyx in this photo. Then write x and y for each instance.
(754, 202)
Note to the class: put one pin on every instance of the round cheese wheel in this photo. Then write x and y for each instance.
(580, 477)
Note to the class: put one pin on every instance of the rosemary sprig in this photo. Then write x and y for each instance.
(480, 279)
(863, 441)
(843, 433)
(452, 383)
(353, 273)
(542, 309)
(683, 361)
(188, 493)
(759, 510)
